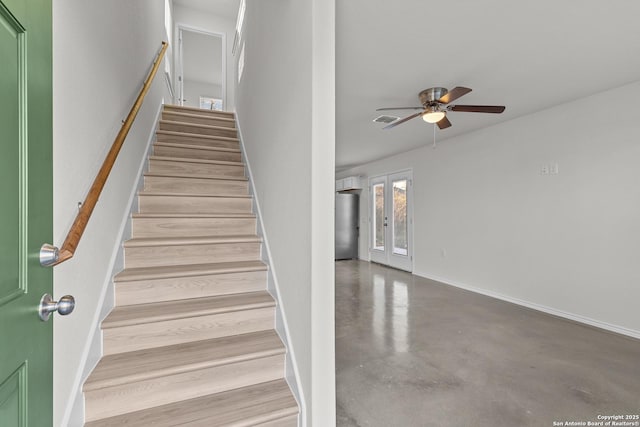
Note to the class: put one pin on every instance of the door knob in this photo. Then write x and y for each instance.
(64, 306)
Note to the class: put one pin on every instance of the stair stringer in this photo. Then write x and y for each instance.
(74, 413)
(292, 373)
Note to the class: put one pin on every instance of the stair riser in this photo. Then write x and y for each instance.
(193, 204)
(192, 140)
(191, 227)
(178, 331)
(178, 288)
(194, 153)
(213, 113)
(168, 389)
(199, 119)
(200, 130)
(155, 256)
(162, 166)
(217, 187)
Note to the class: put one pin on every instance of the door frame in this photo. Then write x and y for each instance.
(388, 257)
(179, 84)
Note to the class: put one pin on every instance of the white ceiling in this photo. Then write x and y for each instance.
(228, 8)
(202, 57)
(525, 55)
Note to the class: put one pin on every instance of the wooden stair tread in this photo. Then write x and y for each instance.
(198, 176)
(179, 309)
(150, 273)
(195, 215)
(196, 135)
(144, 364)
(192, 160)
(196, 147)
(245, 406)
(197, 125)
(174, 194)
(171, 108)
(199, 114)
(196, 240)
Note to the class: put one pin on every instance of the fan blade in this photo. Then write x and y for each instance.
(454, 94)
(401, 121)
(444, 123)
(496, 109)
(399, 108)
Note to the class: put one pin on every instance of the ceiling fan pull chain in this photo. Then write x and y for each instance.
(434, 136)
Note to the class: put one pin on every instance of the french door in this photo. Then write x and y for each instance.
(391, 220)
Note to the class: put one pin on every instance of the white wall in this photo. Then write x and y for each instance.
(101, 53)
(285, 110)
(215, 24)
(566, 243)
(193, 90)
(323, 153)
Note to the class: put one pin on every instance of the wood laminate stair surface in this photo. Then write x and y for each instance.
(213, 130)
(146, 364)
(156, 202)
(171, 310)
(195, 183)
(171, 149)
(174, 271)
(160, 251)
(258, 405)
(147, 285)
(186, 225)
(215, 113)
(197, 139)
(191, 340)
(198, 118)
(195, 166)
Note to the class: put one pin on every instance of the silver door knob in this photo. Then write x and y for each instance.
(64, 306)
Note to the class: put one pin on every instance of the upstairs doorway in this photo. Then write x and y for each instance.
(201, 69)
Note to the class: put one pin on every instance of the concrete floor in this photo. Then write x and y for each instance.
(414, 352)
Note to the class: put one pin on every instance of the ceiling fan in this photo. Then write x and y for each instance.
(435, 106)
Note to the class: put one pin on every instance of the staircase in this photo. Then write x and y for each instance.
(191, 340)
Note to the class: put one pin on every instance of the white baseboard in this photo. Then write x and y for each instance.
(549, 310)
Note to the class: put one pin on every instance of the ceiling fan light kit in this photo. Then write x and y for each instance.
(434, 107)
(433, 116)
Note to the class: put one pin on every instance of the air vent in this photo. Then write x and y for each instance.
(385, 119)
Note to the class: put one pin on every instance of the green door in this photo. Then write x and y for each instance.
(25, 212)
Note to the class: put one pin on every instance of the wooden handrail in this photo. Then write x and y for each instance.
(70, 244)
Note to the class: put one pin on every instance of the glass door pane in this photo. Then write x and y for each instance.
(400, 240)
(378, 217)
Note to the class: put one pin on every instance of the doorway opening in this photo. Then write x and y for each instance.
(391, 220)
(201, 69)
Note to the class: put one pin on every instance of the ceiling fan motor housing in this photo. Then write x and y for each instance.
(429, 97)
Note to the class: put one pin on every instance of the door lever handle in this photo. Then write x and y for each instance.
(64, 306)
